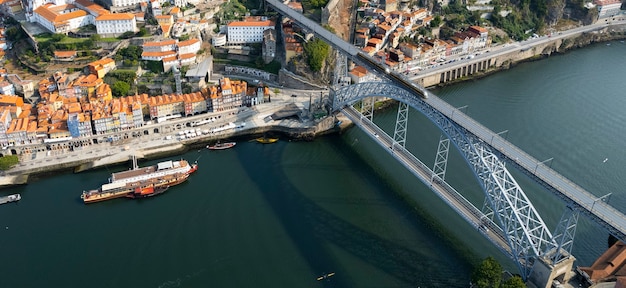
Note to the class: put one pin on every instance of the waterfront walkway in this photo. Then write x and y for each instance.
(166, 140)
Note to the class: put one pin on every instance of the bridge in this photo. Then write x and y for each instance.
(509, 220)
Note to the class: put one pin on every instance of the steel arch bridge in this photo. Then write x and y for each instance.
(527, 235)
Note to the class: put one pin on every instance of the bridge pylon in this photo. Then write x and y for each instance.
(544, 271)
(441, 160)
(399, 133)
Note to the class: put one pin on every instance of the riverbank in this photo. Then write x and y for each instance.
(610, 33)
(168, 143)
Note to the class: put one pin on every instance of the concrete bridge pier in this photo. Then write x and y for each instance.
(544, 273)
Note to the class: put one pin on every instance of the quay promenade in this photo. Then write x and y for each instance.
(161, 139)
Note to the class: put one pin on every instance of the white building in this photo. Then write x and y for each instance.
(189, 46)
(180, 3)
(7, 88)
(219, 40)
(187, 59)
(160, 46)
(608, 8)
(61, 18)
(116, 24)
(248, 31)
(157, 56)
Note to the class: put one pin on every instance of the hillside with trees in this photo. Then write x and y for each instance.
(518, 18)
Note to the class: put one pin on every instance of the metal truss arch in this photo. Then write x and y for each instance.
(527, 234)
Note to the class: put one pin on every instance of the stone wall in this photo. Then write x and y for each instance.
(288, 79)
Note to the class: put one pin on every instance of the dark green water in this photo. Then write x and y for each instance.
(281, 215)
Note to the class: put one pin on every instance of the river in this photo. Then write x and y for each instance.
(284, 214)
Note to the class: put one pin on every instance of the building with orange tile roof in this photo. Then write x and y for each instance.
(17, 131)
(160, 46)
(115, 24)
(64, 55)
(230, 94)
(103, 93)
(58, 130)
(12, 100)
(169, 62)
(175, 11)
(92, 8)
(101, 67)
(87, 85)
(189, 46)
(157, 56)
(166, 105)
(194, 103)
(248, 31)
(164, 19)
(61, 18)
(140, 16)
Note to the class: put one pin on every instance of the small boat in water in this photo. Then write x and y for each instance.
(143, 192)
(265, 140)
(221, 146)
(10, 198)
(325, 276)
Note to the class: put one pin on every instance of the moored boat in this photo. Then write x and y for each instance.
(221, 146)
(142, 182)
(149, 191)
(10, 198)
(265, 140)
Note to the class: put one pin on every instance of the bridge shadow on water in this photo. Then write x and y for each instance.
(311, 227)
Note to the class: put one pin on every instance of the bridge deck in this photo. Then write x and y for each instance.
(598, 211)
(447, 193)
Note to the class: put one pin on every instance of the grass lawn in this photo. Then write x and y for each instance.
(110, 39)
(66, 40)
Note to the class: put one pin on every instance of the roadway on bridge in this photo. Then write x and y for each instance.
(603, 214)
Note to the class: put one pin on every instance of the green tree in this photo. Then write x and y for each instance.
(127, 35)
(120, 89)
(142, 32)
(316, 52)
(7, 162)
(436, 21)
(14, 33)
(488, 274)
(513, 282)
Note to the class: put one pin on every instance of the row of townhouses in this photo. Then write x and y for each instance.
(85, 106)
